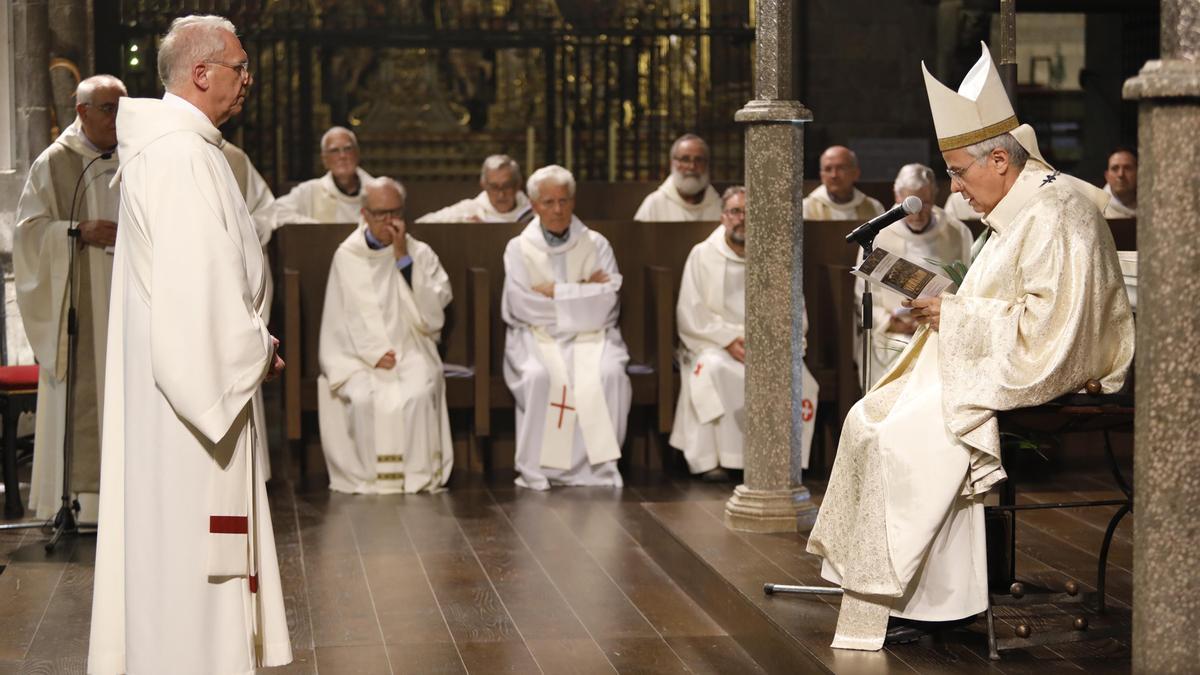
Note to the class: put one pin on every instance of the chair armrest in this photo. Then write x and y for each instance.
(479, 308)
(292, 350)
(660, 307)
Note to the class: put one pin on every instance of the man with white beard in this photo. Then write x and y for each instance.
(501, 201)
(186, 579)
(686, 194)
(381, 396)
(564, 359)
(40, 261)
(337, 196)
(836, 198)
(929, 237)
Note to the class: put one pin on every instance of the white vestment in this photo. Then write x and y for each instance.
(664, 205)
(320, 200)
(186, 574)
(958, 206)
(818, 205)
(41, 266)
(1115, 208)
(564, 359)
(944, 240)
(478, 208)
(384, 430)
(1041, 311)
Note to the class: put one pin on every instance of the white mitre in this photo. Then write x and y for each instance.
(980, 110)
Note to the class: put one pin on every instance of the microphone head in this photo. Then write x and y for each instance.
(912, 204)
(108, 155)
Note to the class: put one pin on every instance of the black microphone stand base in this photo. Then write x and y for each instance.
(64, 524)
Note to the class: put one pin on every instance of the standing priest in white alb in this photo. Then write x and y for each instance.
(381, 395)
(564, 358)
(930, 237)
(186, 575)
(1041, 311)
(337, 196)
(686, 194)
(41, 265)
(501, 199)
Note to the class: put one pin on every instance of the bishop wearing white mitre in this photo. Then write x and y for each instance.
(381, 395)
(186, 578)
(500, 201)
(1042, 310)
(564, 358)
(41, 268)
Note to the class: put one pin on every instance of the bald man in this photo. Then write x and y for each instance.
(87, 149)
(837, 198)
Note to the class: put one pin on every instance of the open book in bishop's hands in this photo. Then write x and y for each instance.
(902, 276)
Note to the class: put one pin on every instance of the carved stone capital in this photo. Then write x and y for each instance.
(1161, 78)
(761, 111)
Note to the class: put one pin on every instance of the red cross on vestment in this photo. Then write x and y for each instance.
(698, 367)
(806, 410)
(562, 407)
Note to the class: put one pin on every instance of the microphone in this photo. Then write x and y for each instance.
(865, 233)
(72, 230)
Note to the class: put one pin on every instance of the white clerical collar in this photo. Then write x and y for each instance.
(184, 104)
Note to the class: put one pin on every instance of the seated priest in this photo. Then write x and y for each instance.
(564, 358)
(1120, 181)
(501, 200)
(337, 196)
(381, 395)
(686, 194)
(836, 198)
(1041, 311)
(930, 237)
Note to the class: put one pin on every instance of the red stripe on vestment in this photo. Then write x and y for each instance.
(228, 524)
(253, 583)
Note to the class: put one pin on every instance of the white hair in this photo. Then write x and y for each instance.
(496, 162)
(1017, 155)
(190, 40)
(689, 137)
(333, 130)
(913, 177)
(87, 88)
(731, 192)
(554, 174)
(381, 182)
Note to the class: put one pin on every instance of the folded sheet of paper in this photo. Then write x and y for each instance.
(902, 276)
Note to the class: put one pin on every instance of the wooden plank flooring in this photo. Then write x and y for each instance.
(490, 579)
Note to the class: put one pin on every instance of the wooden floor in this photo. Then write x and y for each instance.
(491, 579)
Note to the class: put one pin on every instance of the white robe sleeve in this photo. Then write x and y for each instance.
(294, 207)
(209, 349)
(700, 328)
(431, 289)
(40, 256)
(582, 307)
(520, 304)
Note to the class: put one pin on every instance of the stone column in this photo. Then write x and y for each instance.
(772, 498)
(31, 60)
(1166, 558)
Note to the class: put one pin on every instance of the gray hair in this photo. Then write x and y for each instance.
(913, 177)
(497, 162)
(190, 40)
(731, 192)
(1017, 155)
(381, 182)
(554, 174)
(87, 88)
(690, 137)
(333, 130)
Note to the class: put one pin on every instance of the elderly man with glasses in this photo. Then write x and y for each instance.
(337, 196)
(381, 395)
(84, 155)
(501, 200)
(837, 198)
(686, 194)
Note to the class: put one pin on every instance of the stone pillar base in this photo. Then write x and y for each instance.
(766, 511)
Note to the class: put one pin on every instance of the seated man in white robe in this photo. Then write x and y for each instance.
(930, 237)
(1120, 181)
(381, 395)
(40, 260)
(186, 571)
(956, 205)
(564, 359)
(501, 201)
(1042, 311)
(836, 198)
(686, 194)
(337, 196)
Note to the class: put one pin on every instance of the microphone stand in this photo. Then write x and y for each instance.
(867, 324)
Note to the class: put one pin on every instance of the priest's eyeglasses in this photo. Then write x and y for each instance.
(694, 160)
(957, 174)
(386, 214)
(109, 109)
(242, 69)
